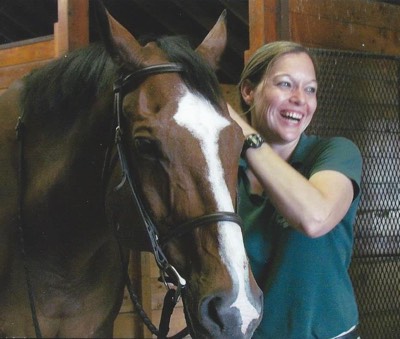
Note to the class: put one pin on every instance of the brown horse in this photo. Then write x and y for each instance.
(64, 206)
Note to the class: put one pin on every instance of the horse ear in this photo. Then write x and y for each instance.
(215, 42)
(120, 44)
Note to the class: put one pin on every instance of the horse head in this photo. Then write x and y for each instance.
(179, 151)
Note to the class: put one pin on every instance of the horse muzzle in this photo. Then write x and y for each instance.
(222, 315)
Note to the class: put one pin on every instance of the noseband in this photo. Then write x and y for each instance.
(158, 243)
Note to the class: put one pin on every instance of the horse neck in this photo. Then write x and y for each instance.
(71, 154)
(64, 173)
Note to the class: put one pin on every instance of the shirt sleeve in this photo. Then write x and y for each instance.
(342, 155)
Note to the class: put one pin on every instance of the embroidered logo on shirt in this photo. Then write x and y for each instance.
(281, 221)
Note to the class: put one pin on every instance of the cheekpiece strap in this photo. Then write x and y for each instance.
(121, 86)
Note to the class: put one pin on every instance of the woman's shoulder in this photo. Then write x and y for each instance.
(337, 153)
(339, 144)
(344, 147)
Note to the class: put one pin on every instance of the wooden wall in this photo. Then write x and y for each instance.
(359, 25)
(70, 32)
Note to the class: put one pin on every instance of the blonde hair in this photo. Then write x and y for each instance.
(264, 58)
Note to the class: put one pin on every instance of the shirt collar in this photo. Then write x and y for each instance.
(300, 152)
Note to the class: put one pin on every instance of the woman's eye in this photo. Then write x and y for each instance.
(311, 90)
(284, 84)
(146, 147)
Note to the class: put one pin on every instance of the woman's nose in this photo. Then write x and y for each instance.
(298, 96)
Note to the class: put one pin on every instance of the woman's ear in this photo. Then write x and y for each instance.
(247, 91)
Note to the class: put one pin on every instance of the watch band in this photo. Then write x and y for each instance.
(252, 141)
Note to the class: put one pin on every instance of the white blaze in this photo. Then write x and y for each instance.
(205, 124)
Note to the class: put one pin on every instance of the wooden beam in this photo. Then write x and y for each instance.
(27, 51)
(263, 24)
(72, 29)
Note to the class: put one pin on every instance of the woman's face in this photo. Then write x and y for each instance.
(284, 102)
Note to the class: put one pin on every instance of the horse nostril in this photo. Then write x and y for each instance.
(214, 311)
(219, 318)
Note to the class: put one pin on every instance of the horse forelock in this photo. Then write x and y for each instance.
(198, 75)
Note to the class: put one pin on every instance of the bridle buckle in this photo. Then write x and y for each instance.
(173, 277)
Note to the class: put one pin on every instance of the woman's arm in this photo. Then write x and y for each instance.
(313, 206)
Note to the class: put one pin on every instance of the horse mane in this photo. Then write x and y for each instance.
(71, 84)
(68, 84)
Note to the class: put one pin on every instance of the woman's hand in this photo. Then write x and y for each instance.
(246, 127)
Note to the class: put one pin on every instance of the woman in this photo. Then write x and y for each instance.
(298, 199)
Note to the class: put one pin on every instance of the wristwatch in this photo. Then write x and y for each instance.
(252, 141)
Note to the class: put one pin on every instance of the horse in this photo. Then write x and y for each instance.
(121, 138)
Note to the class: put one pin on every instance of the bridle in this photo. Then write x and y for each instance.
(167, 271)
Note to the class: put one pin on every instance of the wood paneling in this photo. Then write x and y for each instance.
(27, 52)
(346, 24)
(72, 28)
(359, 25)
(71, 32)
(263, 23)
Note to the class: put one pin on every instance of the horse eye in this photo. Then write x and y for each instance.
(146, 147)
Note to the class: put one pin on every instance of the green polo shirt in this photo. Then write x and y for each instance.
(307, 288)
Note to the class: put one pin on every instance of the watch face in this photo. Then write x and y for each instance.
(254, 140)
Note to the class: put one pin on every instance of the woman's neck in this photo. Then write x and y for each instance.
(284, 150)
